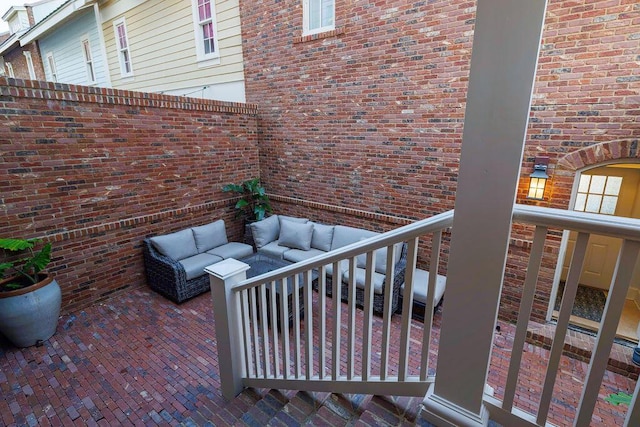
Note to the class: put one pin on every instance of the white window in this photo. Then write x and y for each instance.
(598, 194)
(318, 16)
(53, 73)
(122, 43)
(10, 69)
(32, 71)
(88, 60)
(204, 21)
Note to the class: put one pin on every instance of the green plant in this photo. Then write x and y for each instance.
(24, 269)
(254, 203)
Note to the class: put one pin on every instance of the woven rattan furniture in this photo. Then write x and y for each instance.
(378, 299)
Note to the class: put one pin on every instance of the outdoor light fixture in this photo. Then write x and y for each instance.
(539, 178)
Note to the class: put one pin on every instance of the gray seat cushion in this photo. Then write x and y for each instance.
(177, 246)
(274, 249)
(210, 236)
(297, 255)
(194, 265)
(265, 231)
(420, 283)
(235, 250)
(378, 279)
(343, 236)
(322, 236)
(295, 235)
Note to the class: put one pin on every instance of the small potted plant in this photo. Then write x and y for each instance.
(253, 204)
(29, 298)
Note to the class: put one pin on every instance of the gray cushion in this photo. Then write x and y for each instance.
(232, 250)
(343, 236)
(177, 246)
(322, 237)
(194, 265)
(297, 255)
(295, 235)
(210, 236)
(274, 249)
(378, 279)
(291, 218)
(265, 231)
(420, 283)
(381, 258)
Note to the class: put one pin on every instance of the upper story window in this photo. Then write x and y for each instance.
(122, 43)
(10, 69)
(53, 73)
(318, 16)
(32, 70)
(598, 194)
(204, 21)
(88, 60)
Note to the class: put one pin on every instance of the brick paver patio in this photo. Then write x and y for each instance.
(139, 359)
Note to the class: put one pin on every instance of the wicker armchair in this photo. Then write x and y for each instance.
(169, 278)
(378, 299)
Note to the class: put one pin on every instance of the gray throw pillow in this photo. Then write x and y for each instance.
(322, 237)
(265, 231)
(177, 246)
(210, 236)
(296, 235)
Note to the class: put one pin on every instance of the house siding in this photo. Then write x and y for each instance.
(370, 116)
(65, 44)
(165, 61)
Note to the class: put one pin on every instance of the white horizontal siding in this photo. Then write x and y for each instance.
(163, 50)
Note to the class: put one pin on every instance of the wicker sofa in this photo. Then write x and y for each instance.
(296, 239)
(175, 262)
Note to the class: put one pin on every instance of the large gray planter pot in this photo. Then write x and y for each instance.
(30, 315)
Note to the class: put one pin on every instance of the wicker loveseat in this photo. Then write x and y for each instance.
(296, 239)
(175, 262)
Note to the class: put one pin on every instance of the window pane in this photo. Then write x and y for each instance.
(581, 199)
(314, 14)
(609, 205)
(593, 203)
(327, 13)
(204, 10)
(613, 185)
(597, 184)
(583, 187)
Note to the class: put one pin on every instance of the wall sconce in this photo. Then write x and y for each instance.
(539, 178)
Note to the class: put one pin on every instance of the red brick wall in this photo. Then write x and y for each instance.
(97, 170)
(370, 116)
(19, 62)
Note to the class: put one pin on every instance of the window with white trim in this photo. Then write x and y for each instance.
(598, 194)
(32, 71)
(205, 27)
(53, 73)
(88, 60)
(318, 16)
(10, 69)
(122, 43)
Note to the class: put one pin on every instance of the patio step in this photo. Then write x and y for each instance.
(255, 407)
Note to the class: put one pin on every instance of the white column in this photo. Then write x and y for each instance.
(223, 276)
(503, 64)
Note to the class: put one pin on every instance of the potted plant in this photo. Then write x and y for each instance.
(29, 298)
(253, 204)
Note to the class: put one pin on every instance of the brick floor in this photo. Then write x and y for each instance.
(139, 359)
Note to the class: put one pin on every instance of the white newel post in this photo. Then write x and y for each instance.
(504, 59)
(223, 276)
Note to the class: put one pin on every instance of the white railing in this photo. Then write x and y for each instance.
(331, 346)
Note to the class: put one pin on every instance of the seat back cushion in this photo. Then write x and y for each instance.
(296, 235)
(322, 237)
(381, 258)
(343, 236)
(265, 231)
(177, 246)
(210, 236)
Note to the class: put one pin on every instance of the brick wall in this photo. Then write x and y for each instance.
(370, 116)
(19, 62)
(97, 170)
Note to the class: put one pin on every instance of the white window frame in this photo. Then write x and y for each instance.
(87, 55)
(204, 58)
(10, 69)
(51, 63)
(307, 5)
(124, 53)
(29, 59)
